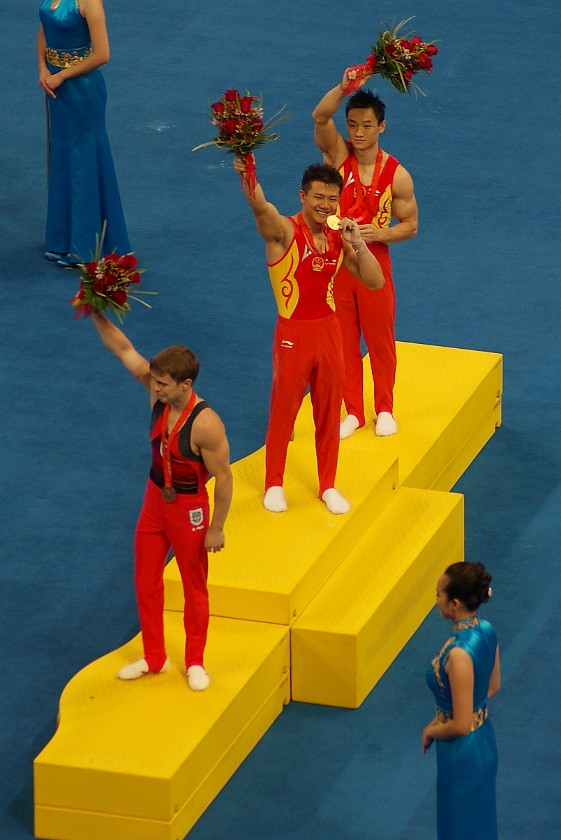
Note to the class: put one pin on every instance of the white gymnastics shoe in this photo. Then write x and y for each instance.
(140, 669)
(385, 424)
(349, 425)
(334, 502)
(275, 500)
(197, 678)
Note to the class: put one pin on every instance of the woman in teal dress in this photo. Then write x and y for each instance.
(83, 193)
(462, 677)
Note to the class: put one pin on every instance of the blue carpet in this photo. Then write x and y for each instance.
(483, 273)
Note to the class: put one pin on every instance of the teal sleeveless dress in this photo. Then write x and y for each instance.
(83, 190)
(467, 765)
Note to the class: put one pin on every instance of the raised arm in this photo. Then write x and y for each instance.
(326, 135)
(274, 228)
(92, 11)
(209, 438)
(117, 343)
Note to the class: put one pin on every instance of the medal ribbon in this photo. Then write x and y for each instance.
(168, 439)
(366, 200)
(331, 236)
(250, 174)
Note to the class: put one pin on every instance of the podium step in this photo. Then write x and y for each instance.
(447, 406)
(274, 563)
(375, 600)
(142, 760)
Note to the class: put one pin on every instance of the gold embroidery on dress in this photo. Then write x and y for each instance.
(436, 662)
(466, 623)
(59, 58)
(478, 717)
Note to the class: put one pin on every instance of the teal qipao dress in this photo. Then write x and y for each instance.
(467, 765)
(83, 190)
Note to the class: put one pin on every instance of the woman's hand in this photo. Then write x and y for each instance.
(50, 82)
(44, 82)
(426, 739)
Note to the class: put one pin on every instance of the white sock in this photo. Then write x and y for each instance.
(197, 678)
(348, 426)
(385, 424)
(275, 500)
(334, 502)
(139, 669)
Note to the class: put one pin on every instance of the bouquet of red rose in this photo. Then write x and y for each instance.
(105, 281)
(397, 58)
(241, 129)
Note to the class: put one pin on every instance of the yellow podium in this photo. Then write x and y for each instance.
(305, 605)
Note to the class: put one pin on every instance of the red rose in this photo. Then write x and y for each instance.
(98, 286)
(416, 40)
(246, 103)
(424, 62)
(406, 45)
(119, 296)
(371, 62)
(134, 278)
(257, 124)
(110, 258)
(231, 95)
(391, 48)
(127, 262)
(218, 107)
(229, 126)
(431, 49)
(408, 74)
(91, 267)
(110, 280)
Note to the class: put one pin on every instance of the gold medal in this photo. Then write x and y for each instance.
(332, 222)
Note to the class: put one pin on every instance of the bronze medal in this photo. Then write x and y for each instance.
(168, 494)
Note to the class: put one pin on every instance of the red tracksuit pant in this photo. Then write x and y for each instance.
(181, 525)
(305, 353)
(373, 313)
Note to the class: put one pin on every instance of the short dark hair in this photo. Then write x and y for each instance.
(177, 361)
(469, 583)
(322, 172)
(366, 99)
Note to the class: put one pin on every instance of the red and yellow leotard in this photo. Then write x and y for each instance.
(307, 351)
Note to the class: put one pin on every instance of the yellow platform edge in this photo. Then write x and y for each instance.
(52, 823)
(460, 442)
(143, 748)
(337, 661)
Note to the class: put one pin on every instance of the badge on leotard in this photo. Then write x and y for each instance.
(333, 222)
(168, 494)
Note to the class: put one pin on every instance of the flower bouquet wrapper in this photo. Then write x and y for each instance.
(105, 283)
(396, 57)
(241, 129)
